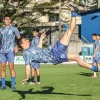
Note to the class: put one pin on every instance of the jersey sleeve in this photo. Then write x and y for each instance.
(16, 32)
(35, 42)
(26, 58)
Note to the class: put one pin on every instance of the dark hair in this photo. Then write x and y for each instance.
(19, 42)
(98, 34)
(94, 34)
(6, 16)
(36, 29)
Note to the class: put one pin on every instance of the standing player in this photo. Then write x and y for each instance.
(94, 38)
(34, 66)
(96, 56)
(55, 55)
(7, 35)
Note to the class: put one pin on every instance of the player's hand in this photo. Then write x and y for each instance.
(43, 36)
(24, 81)
(15, 49)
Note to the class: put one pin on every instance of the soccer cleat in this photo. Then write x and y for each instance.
(38, 83)
(13, 88)
(32, 83)
(2, 87)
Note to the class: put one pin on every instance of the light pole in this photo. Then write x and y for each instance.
(60, 34)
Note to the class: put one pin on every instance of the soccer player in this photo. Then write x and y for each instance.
(55, 55)
(96, 55)
(94, 38)
(34, 66)
(7, 35)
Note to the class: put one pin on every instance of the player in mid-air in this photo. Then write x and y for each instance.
(55, 55)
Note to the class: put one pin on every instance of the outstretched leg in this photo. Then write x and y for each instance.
(81, 62)
(66, 38)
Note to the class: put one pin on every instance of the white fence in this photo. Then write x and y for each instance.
(20, 60)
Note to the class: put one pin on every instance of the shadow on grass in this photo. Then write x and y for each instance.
(8, 83)
(48, 90)
(85, 74)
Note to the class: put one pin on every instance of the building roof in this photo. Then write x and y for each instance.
(90, 12)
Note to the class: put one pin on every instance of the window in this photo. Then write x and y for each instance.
(54, 17)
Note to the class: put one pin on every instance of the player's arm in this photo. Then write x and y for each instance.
(18, 37)
(41, 40)
(15, 49)
(17, 33)
(27, 68)
(27, 73)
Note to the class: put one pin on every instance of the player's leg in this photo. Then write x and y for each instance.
(99, 66)
(32, 75)
(38, 75)
(81, 62)
(3, 71)
(0, 73)
(94, 74)
(66, 38)
(97, 63)
(10, 60)
(3, 75)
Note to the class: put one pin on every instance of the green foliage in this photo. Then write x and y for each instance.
(22, 15)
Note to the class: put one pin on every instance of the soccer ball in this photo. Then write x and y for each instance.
(65, 15)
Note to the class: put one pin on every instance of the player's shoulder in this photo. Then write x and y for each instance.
(25, 52)
(12, 26)
(37, 37)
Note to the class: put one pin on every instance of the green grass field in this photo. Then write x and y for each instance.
(58, 82)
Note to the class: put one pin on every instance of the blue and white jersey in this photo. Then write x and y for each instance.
(38, 55)
(7, 36)
(98, 52)
(35, 41)
(95, 44)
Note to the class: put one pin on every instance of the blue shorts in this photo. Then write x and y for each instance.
(59, 52)
(35, 65)
(98, 60)
(7, 57)
(94, 60)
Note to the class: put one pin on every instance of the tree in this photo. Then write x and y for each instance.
(24, 13)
